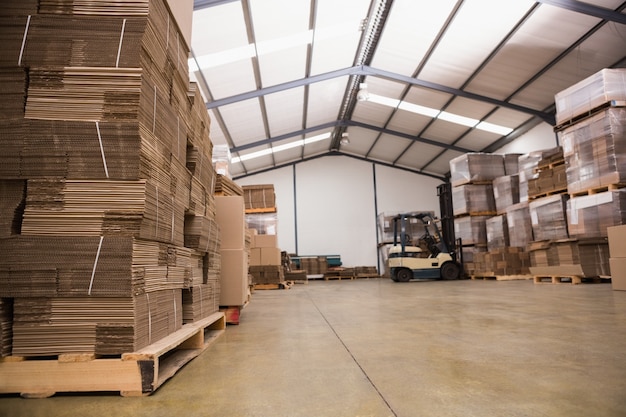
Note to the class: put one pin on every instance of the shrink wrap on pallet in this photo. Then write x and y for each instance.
(506, 192)
(595, 151)
(497, 232)
(549, 217)
(583, 97)
(520, 228)
(472, 230)
(475, 167)
(511, 163)
(476, 199)
(589, 216)
(530, 165)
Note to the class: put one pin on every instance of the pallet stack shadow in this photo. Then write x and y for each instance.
(108, 234)
(488, 217)
(591, 126)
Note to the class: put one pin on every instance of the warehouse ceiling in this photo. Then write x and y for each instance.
(408, 84)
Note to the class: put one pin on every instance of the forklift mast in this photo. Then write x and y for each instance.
(444, 192)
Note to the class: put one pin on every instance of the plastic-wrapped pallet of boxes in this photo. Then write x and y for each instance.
(506, 192)
(548, 217)
(221, 160)
(595, 151)
(589, 94)
(471, 176)
(519, 223)
(590, 215)
(497, 232)
(471, 168)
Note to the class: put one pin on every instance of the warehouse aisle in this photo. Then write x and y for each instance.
(377, 348)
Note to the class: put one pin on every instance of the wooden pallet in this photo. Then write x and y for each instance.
(261, 210)
(501, 277)
(337, 276)
(597, 190)
(547, 194)
(284, 285)
(133, 374)
(232, 314)
(476, 213)
(569, 279)
(588, 114)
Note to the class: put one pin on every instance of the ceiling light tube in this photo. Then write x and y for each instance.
(279, 148)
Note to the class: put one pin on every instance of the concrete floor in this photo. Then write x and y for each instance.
(377, 348)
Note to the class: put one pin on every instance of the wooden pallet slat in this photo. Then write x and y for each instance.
(132, 374)
(283, 285)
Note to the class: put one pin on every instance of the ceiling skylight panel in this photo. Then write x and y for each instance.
(284, 111)
(474, 33)
(408, 34)
(219, 28)
(279, 20)
(280, 67)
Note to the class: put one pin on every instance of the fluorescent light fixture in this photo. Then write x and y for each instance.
(455, 118)
(435, 113)
(416, 108)
(385, 101)
(279, 148)
(490, 127)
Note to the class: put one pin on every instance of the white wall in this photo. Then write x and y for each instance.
(333, 210)
(540, 137)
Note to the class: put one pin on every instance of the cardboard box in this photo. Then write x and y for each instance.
(618, 273)
(255, 256)
(234, 277)
(230, 216)
(270, 256)
(617, 241)
(265, 241)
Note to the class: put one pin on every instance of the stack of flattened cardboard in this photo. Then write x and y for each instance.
(97, 117)
(6, 326)
(259, 196)
(226, 186)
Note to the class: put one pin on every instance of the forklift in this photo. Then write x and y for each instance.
(421, 250)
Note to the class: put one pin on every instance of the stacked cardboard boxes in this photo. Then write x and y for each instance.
(234, 254)
(591, 127)
(473, 202)
(266, 263)
(259, 198)
(103, 141)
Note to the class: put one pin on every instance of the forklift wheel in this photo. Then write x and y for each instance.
(450, 270)
(404, 275)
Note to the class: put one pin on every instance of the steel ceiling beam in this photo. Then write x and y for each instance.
(282, 87)
(455, 91)
(348, 123)
(369, 71)
(339, 153)
(588, 9)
